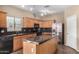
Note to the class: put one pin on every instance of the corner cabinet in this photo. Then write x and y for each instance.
(3, 19)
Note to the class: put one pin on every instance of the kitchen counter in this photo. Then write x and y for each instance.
(38, 39)
(20, 34)
(44, 44)
(13, 42)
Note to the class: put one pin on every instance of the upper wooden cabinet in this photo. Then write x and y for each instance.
(28, 22)
(46, 24)
(3, 19)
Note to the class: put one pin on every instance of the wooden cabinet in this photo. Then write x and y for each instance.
(40, 24)
(29, 48)
(47, 47)
(3, 19)
(49, 24)
(28, 22)
(17, 43)
(46, 24)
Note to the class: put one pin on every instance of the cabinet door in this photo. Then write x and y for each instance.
(24, 22)
(47, 24)
(3, 19)
(28, 22)
(29, 48)
(17, 43)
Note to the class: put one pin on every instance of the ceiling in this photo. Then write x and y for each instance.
(43, 10)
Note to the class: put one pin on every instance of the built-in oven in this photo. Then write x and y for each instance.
(6, 44)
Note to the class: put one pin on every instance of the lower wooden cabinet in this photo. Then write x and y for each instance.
(29, 48)
(47, 47)
(17, 43)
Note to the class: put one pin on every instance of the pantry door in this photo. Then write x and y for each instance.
(71, 31)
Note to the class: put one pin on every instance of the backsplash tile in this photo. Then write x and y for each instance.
(46, 29)
(27, 30)
(3, 31)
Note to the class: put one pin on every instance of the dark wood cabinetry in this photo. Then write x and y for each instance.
(3, 19)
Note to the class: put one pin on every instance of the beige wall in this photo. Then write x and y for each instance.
(57, 16)
(13, 11)
(73, 10)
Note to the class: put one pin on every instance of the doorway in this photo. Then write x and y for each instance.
(71, 34)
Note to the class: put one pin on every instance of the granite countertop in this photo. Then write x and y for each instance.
(3, 37)
(38, 39)
(7, 35)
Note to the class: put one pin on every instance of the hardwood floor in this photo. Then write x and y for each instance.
(62, 49)
(18, 52)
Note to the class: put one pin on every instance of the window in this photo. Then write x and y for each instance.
(14, 23)
(18, 23)
(10, 23)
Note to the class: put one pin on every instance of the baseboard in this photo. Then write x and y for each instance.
(77, 50)
(72, 48)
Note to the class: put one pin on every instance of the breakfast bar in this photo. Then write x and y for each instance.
(44, 44)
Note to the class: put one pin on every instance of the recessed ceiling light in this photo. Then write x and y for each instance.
(42, 14)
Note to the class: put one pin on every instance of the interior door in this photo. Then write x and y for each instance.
(72, 32)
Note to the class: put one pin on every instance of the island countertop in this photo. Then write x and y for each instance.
(38, 39)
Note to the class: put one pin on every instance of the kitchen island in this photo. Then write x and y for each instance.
(44, 44)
